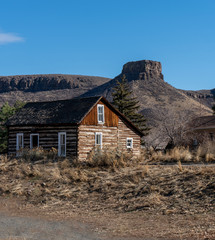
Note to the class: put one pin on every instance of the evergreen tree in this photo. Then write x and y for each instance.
(128, 105)
(5, 113)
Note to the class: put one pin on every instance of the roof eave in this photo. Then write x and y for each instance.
(50, 124)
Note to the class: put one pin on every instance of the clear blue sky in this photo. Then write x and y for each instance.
(95, 37)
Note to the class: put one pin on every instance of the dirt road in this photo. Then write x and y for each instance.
(35, 228)
(23, 228)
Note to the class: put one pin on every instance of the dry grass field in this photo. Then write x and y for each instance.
(117, 195)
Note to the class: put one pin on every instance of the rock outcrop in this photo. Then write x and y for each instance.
(49, 82)
(47, 87)
(142, 70)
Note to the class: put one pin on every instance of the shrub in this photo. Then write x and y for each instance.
(106, 159)
(36, 154)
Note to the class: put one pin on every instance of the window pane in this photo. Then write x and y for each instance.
(101, 118)
(62, 138)
(101, 114)
(63, 150)
(129, 142)
(98, 139)
(100, 109)
(62, 144)
(20, 140)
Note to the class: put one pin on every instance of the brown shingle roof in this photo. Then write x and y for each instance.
(55, 112)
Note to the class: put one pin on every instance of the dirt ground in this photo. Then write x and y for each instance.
(133, 202)
(21, 221)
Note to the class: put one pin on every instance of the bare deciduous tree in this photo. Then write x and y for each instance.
(174, 127)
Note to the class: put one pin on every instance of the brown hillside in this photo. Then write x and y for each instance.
(46, 87)
(157, 97)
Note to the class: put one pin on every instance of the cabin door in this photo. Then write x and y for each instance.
(34, 141)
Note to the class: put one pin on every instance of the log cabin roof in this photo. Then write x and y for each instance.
(71, 111)
(205, 122)
(54, 112)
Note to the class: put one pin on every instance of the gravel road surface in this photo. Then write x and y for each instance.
(28, 228)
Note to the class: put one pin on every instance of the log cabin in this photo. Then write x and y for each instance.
(74, 127)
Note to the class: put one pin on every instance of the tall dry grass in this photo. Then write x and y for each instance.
(174, 155)
(106, 159)
(129, 185)
(37, 154)
(204, 153)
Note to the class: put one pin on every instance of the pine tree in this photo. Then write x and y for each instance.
(5, 113)
(128, 105)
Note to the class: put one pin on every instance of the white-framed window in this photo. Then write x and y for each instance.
(101, 114)
(34, 140)
(62, 144)
(129, 142)
(19, 143)
(98, 140)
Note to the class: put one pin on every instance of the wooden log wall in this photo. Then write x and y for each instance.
(112, 138)
(86, 139)
(126, 132)
(48, 137)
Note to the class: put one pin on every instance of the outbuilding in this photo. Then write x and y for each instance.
(203, 128)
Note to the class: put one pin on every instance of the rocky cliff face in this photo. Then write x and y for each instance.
(204, 96)
(50, 82)
(142, 70)
(46, 87)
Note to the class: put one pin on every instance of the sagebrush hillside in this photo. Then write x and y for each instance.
(157, 98)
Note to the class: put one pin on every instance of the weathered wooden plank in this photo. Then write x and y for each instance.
(48, 137)
(111, 119)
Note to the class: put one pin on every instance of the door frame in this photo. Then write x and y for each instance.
(31, 142)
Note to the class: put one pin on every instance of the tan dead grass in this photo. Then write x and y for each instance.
(204, 153)
(174, 155)
(131, 186)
